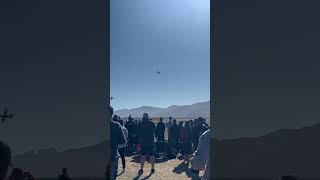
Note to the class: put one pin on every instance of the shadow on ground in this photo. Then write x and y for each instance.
(147, 177)
(184, 167)
(136, 159)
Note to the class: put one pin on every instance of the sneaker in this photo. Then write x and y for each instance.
(152, 171)
(140, 171)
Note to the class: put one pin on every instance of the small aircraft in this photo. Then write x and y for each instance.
(112, 98)
(158, 72)
(5, 115)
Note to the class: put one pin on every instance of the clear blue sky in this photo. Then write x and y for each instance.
(171, 36)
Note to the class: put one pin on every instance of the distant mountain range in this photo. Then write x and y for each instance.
(271, 155)
(186, 111)
(82, 162)
(268, 156)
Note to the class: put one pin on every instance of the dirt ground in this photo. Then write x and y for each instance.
(173, 169)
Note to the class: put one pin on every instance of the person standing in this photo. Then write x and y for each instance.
(64, 175)
(122, 147)
(174, 136)
(146, 138)
(185, 136)
(168, 126)
(160, 130)
(198, 130)
(201, 159)
(116, 138)
(130, 126)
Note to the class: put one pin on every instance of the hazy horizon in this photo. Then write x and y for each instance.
(164, 106)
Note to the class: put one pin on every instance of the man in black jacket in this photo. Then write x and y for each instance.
(174, 136)
(131, 127)
(146, 138)
(160, 130)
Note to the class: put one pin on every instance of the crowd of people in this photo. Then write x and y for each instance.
(143, 136)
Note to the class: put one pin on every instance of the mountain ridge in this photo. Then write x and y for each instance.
(182, 111)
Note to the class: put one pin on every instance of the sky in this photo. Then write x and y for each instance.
(171, 36)
(53, 75)
(268, 62)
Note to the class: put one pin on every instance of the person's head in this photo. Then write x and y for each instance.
(180, 123)
(16, 174)
(111, 111)
(5, 159)
(115, 118)
(174, 121)
(64, 171)
(187, 124)
(161, 119)
(200, 120)
(170, 118)
(145, 116)
(121, 122)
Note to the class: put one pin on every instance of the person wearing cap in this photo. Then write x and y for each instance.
(5, 159)
(146, 138)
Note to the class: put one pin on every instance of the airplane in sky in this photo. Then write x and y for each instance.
(112, 98)
(158, 72)
(5, 115)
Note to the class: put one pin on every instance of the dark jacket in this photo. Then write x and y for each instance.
(160, 129)
(116, 138)
(146, 132)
